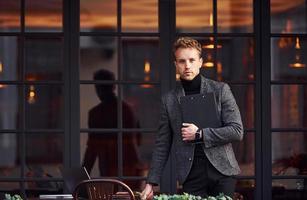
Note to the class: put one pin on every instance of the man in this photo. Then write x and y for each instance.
(205, 168)
(104, 145)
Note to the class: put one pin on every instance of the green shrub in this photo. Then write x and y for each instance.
(13, 197)
(186, 196)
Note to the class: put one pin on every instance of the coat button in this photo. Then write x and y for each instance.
(190, 159)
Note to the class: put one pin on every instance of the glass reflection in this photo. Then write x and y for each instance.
(38, 165)
(140, 59)
(288, 16)
(194, 16)
(289, 156)
(10, 107)
(145, 101)
(143, 143)
(235, 16)
(9, 58)
(245, 98)
(9, 15)
(104, 115)
(294, 189)
(43, 59)
(245, 189)
(44, 107)
(289, 106)
(140, 185)
(289, 58)
(97, 15)
(9, 165)
(140, 15)
(245, 154)
(43, 15)
(97, 53)
(10, 186)
(235, 59)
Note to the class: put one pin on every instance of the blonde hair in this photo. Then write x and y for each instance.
(187, 42)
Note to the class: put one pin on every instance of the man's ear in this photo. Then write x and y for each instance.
(175, 63)
(201, 60)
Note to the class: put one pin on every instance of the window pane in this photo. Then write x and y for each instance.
(137, 150)
(35, 188)
(140, 59)
(97, 15)
(10, 107)
(44, 59)
(245, 98)
(245, 154)
(137, 185)
(144, 101)
(235, 16)
(288, 104)
(40, 165)
(140, 15)
(9, 58)
(10, 186)
(9, 15)
(194, 16)
(289, 57)
(235, 59)
(99, 153)
(98, 104)
(245, 189)
(10, 161)
(294, 189)
(43, 15)
(44, 107)
(288, 16)
(289, 153)
(97, 53)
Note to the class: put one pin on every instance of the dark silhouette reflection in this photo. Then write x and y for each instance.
(104, 145)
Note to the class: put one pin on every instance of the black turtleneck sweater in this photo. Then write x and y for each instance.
(193, 87)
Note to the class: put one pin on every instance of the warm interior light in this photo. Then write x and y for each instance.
(211, 44)
(1, 67)
(219, 70)
(208, 64)
(297, 65)
(297, 62)
(147, 75)
(147, 67)
(31, 95)
(208, 61)
(297, 43)
(211, 19)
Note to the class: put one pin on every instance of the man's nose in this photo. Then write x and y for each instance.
(187, 65)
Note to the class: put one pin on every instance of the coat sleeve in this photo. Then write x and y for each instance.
(162, 147)
(232, 128)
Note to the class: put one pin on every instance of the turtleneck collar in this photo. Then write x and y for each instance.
(192, 86)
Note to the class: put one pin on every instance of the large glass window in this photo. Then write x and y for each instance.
(119, 88)
(288, 99)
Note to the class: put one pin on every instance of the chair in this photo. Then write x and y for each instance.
(103, 189)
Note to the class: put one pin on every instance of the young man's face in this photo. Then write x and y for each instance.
(188, 63)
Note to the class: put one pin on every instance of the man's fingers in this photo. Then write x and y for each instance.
(186, 124)
(150, 195)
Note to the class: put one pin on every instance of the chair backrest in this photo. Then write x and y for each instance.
(103, 189)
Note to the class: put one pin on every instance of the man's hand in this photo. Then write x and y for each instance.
(188, 131)
(147, 192)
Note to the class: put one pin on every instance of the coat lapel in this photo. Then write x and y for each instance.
(203, 85)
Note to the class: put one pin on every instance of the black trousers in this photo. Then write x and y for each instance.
(204, 180)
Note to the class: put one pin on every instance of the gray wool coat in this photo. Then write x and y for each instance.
(216, 141)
